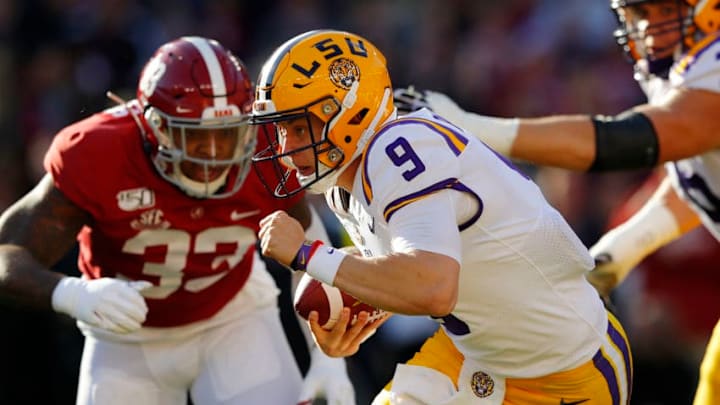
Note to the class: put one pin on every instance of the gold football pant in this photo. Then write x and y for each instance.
(708, 391)
(606, 379)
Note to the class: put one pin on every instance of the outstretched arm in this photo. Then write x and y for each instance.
(682, 125)
(35, 233)
(663, 218)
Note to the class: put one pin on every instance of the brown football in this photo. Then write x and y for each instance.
(328, 301)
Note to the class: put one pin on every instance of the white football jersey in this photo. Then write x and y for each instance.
(697, 179)
(524, 307)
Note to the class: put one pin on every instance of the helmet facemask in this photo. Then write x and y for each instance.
(327, 159)
(201, 156)
(653, 33)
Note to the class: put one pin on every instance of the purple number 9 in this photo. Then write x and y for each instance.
(400, 152)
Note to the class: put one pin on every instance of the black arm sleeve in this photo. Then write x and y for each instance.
(626, 141)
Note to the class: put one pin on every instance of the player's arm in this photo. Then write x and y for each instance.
(641, 137)
(686, 123)
(35, 233)
(663, 218)
(327, 377)
(413, 283)
(412, 280)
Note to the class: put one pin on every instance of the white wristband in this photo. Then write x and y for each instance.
(498, 133)
(325, 263)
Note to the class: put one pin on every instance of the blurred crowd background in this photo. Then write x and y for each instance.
(506, 58)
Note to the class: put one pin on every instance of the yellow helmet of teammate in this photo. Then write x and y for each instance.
(674, 26)
(706, 15)
(337, 77)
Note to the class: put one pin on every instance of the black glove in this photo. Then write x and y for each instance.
(409, 99)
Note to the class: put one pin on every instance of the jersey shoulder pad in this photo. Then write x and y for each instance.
(86, 156)
(410, 155)
(699, 68)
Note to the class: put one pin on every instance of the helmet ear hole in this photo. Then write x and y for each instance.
(357, 119)
(153, 118)
(348, 138)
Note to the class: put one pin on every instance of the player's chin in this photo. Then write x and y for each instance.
(199, 173)
(306, 171)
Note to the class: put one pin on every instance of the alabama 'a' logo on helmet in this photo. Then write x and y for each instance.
(344, 72)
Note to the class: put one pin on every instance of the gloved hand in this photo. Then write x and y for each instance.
(327, 378)
(498, 133)
(607, 273)
(624, 247)
(106, 303)
(409, 99)
(445, 107)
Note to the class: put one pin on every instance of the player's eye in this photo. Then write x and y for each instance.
(669, 10)
(638, 12)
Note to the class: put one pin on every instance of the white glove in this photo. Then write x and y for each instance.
(497, 133)
(106, 303)
(621, 249)
(327, 378)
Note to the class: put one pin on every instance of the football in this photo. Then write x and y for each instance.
(328, 301)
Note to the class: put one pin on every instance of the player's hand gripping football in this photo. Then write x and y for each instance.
(107, 303)
(327, 378)
(344, 339)
(280, 237)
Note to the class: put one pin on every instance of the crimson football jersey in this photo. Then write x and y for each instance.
(198, 253)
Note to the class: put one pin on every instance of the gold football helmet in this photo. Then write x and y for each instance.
(652, 33)
(336, 77)
(675, 25)
(706, 15)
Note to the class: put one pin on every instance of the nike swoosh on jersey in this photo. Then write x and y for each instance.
(236, 216)
(562, 402)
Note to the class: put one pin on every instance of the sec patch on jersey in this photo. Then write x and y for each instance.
(328, 301)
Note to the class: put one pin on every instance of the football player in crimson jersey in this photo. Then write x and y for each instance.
(447, 228)
(674, 46)
(174, 297)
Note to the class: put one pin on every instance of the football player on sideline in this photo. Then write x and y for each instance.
(674, 46)
(447, 228)
(174, 297)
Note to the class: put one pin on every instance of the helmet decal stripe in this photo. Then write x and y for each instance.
(267, 74)
(213, 66)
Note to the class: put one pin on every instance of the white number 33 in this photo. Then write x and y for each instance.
(178, 244)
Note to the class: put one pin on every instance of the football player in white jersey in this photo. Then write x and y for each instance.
(447, 228)
(174, 300)
(674, 45)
